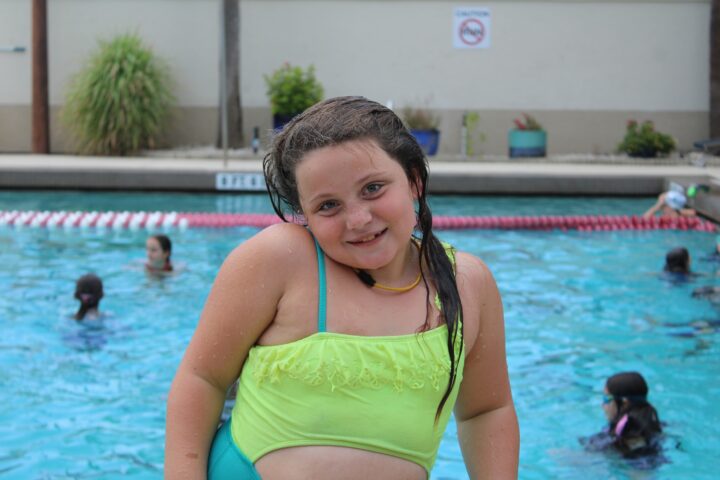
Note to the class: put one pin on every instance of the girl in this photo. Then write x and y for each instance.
(158, 249)
(89, 291)
(352, 338)
(633, 425)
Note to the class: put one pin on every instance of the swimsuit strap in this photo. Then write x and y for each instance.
(321, 287)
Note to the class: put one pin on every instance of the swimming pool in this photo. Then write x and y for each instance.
(82, 402)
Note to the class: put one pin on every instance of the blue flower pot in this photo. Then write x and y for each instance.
(427, 139)
(280, 120)
(527, 143)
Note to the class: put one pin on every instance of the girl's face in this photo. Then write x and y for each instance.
(358, 203)
(156, 257)
(609, 406)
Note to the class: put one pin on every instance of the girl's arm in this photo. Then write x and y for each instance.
(241, 304)
(484, 411)
(655, 208)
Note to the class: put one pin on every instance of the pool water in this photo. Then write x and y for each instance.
(83, 401)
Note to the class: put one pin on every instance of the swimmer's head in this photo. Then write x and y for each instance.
(89, 290)
(675, 200)
(628, 385)
(333, 122)
(158, 249)
(677, 260)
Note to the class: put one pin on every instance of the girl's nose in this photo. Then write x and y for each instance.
(358, 217)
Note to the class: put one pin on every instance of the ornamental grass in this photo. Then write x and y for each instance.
(119, 103)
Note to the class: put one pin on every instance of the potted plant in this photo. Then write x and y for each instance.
(644, 141)
(423, 124)
(291, 90)
(528, 138)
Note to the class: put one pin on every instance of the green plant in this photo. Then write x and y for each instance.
(644, 141)
(530, 123)
(291, 89)
(119, 103)
(420, 119)
(472, 120)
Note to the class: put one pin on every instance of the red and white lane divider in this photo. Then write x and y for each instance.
(152, 220)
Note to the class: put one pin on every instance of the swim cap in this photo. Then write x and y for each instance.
(675, 200)
(629, 385)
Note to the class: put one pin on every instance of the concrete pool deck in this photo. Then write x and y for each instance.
(551, 176)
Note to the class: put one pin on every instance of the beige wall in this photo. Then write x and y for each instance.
(582, 67)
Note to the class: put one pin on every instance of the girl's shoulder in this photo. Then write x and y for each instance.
(473, 270)
(278, 246)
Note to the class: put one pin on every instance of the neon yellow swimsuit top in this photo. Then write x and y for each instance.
(372, 393)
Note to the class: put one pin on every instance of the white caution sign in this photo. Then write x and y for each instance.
(471, 27)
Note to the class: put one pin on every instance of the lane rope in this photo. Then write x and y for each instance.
(155, 220)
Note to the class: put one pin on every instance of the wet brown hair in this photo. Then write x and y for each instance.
(344, 119)
(89, 290)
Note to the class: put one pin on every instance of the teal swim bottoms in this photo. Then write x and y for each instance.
(226, 461)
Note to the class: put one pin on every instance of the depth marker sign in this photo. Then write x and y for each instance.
(471, 27)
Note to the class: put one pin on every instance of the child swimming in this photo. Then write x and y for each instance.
(158, 249)
(633, 425)
(89, 291)
(353, 335)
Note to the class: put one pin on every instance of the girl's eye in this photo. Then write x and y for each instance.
(373, 188)
(326, 206)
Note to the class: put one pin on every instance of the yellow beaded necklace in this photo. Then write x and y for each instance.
(368, 280)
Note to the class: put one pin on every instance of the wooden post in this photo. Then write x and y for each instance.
(230, 76)
(40, 109)
(715, 69)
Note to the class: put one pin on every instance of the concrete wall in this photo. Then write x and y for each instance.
(582, 67)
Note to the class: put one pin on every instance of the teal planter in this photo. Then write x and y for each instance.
(527, 143)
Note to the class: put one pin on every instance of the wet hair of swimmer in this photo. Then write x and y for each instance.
(89, 290)
(635, 418)
(677, 260)
(344, 119)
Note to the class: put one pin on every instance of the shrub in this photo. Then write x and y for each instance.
(291, 89)
(644, 141)
(420, 119)
(119, 103)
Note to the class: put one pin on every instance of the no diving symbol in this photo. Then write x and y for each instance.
(472, 31)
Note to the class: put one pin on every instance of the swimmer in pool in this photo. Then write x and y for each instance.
(633, 429)
(633, 422)
(158, 249)
(89, 291)
(670, 204)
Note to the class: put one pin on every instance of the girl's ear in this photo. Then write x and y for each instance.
(416, 187)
